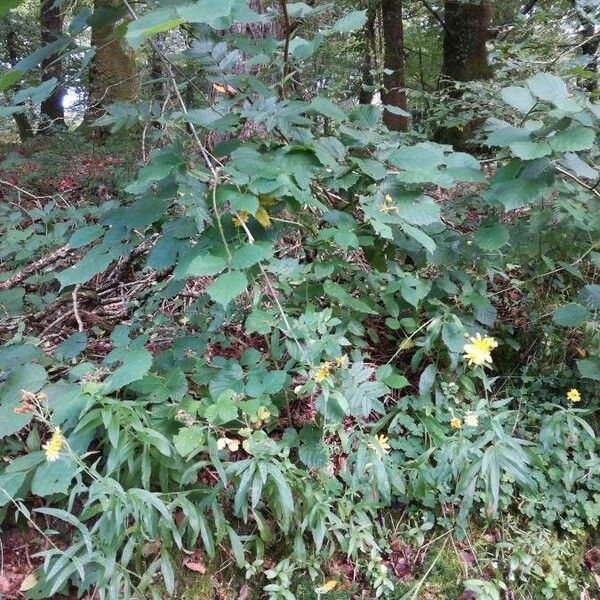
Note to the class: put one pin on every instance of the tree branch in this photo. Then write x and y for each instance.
(437, 16)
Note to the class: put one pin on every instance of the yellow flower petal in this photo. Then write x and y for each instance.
(455, 423)
(573, 395)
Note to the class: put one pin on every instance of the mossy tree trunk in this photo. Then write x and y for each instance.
(467, 31)
(394, 93)
(467, 28)
(52, 110)
(113, 74)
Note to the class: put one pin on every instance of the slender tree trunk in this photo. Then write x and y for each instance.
(51, 24)
(467, 31)
(394, 93)
(22, 122)
(112, 73)
(365, 96)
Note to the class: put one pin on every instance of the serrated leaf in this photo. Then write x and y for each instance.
(571, 315)
(530, 150)
(227, 286)
(573, 139)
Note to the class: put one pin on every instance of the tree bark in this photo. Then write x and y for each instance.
(467, 31)
(112, 73)
(394, 93)
(52, 110)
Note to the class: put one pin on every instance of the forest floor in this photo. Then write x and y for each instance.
(432, 568)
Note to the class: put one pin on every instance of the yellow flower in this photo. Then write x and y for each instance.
(478, 350)
(262, 216)
(263, 413)
(382, 440)
(340, 361)
(471, 420)
(322, 372)
(573, 395)
(328, 586)
(54, 445)
(244, 216)
(388, 205)
(455, 423)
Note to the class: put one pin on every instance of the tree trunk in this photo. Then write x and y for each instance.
(466, 34)
(22, 122)
(394, 93)
(466, 31)
(51, 24)
(365, 96)
(112, 73)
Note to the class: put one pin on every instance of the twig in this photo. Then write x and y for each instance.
(76, 308)
(437, 17)
(590, 188)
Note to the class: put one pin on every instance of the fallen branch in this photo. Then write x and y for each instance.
(35, 266)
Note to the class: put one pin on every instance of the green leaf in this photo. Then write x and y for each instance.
(193, 264)
(153, 22)
(189, 439)
(492, 237)
(353, 21)
(589, 296)
(9, 486)
(8, 78)
(530, 150)
(313, 452)
(573, 139)
(213, 13)
(589, 368)
(327, 108)
(248, 255)
(228, 286)
(547, 86)
(53, 477)
(135, 365)
(75, 344)
(519, 98)
(571, 315)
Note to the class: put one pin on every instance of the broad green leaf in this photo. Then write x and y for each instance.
(518, 97)
(573, 139)
(135, 365)
(213, 13)
(248, 255)
(353, 21)
(189, 439)
(571, 315)
(327, 108)
(227, 286)
(530, 150)
(151, 23)
(589, 296)
(589, 368)
(193, 264)
(492, 237)
(53, 477)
